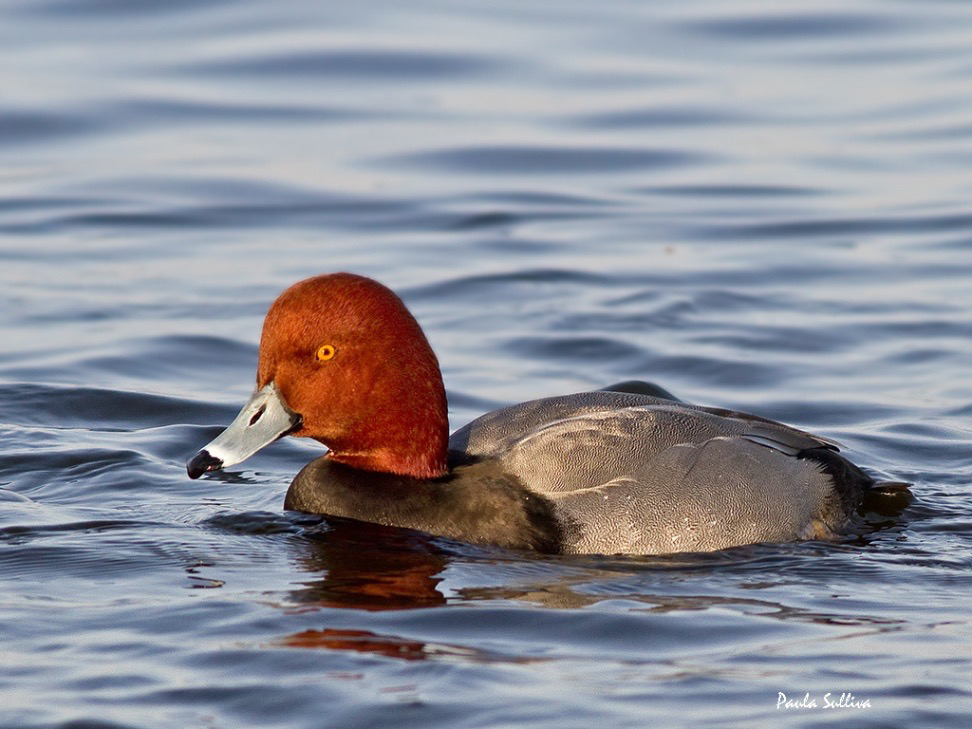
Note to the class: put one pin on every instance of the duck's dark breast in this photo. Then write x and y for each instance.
(476, 502)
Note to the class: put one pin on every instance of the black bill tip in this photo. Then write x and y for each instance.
(201, 463)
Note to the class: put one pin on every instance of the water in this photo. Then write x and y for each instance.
(757, 205)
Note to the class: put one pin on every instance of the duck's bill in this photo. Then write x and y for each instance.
(264, 419)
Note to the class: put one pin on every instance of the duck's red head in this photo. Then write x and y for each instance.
(343, 361)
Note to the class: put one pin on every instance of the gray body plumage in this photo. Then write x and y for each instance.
(647, 474)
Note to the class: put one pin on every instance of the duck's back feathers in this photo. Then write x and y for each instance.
(644, 417)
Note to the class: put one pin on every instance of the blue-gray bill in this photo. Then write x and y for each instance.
(264, 419)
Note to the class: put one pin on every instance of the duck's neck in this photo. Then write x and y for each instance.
(407, 435)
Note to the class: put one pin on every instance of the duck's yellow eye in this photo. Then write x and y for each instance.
(326, 352)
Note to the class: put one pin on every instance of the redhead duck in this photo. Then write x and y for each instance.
(628, 469)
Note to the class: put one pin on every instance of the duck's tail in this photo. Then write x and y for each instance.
(857, 489)
(886, 498)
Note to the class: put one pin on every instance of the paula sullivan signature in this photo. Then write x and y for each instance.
(829, 700)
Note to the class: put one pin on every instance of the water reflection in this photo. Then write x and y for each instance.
(570, 594)
(370, 567)
(390, 646)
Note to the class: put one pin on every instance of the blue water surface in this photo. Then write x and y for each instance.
(758, 205)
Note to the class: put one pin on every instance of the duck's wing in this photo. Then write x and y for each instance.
(774, 434)
(723, 492)
(665, 478)
(581, 451)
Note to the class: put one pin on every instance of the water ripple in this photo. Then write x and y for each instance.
(18, 127)
(406, 66)
(537, 160)
(647, 118)
(110, 9)
(795, 26)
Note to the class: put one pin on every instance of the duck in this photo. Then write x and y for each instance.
(628, 469)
